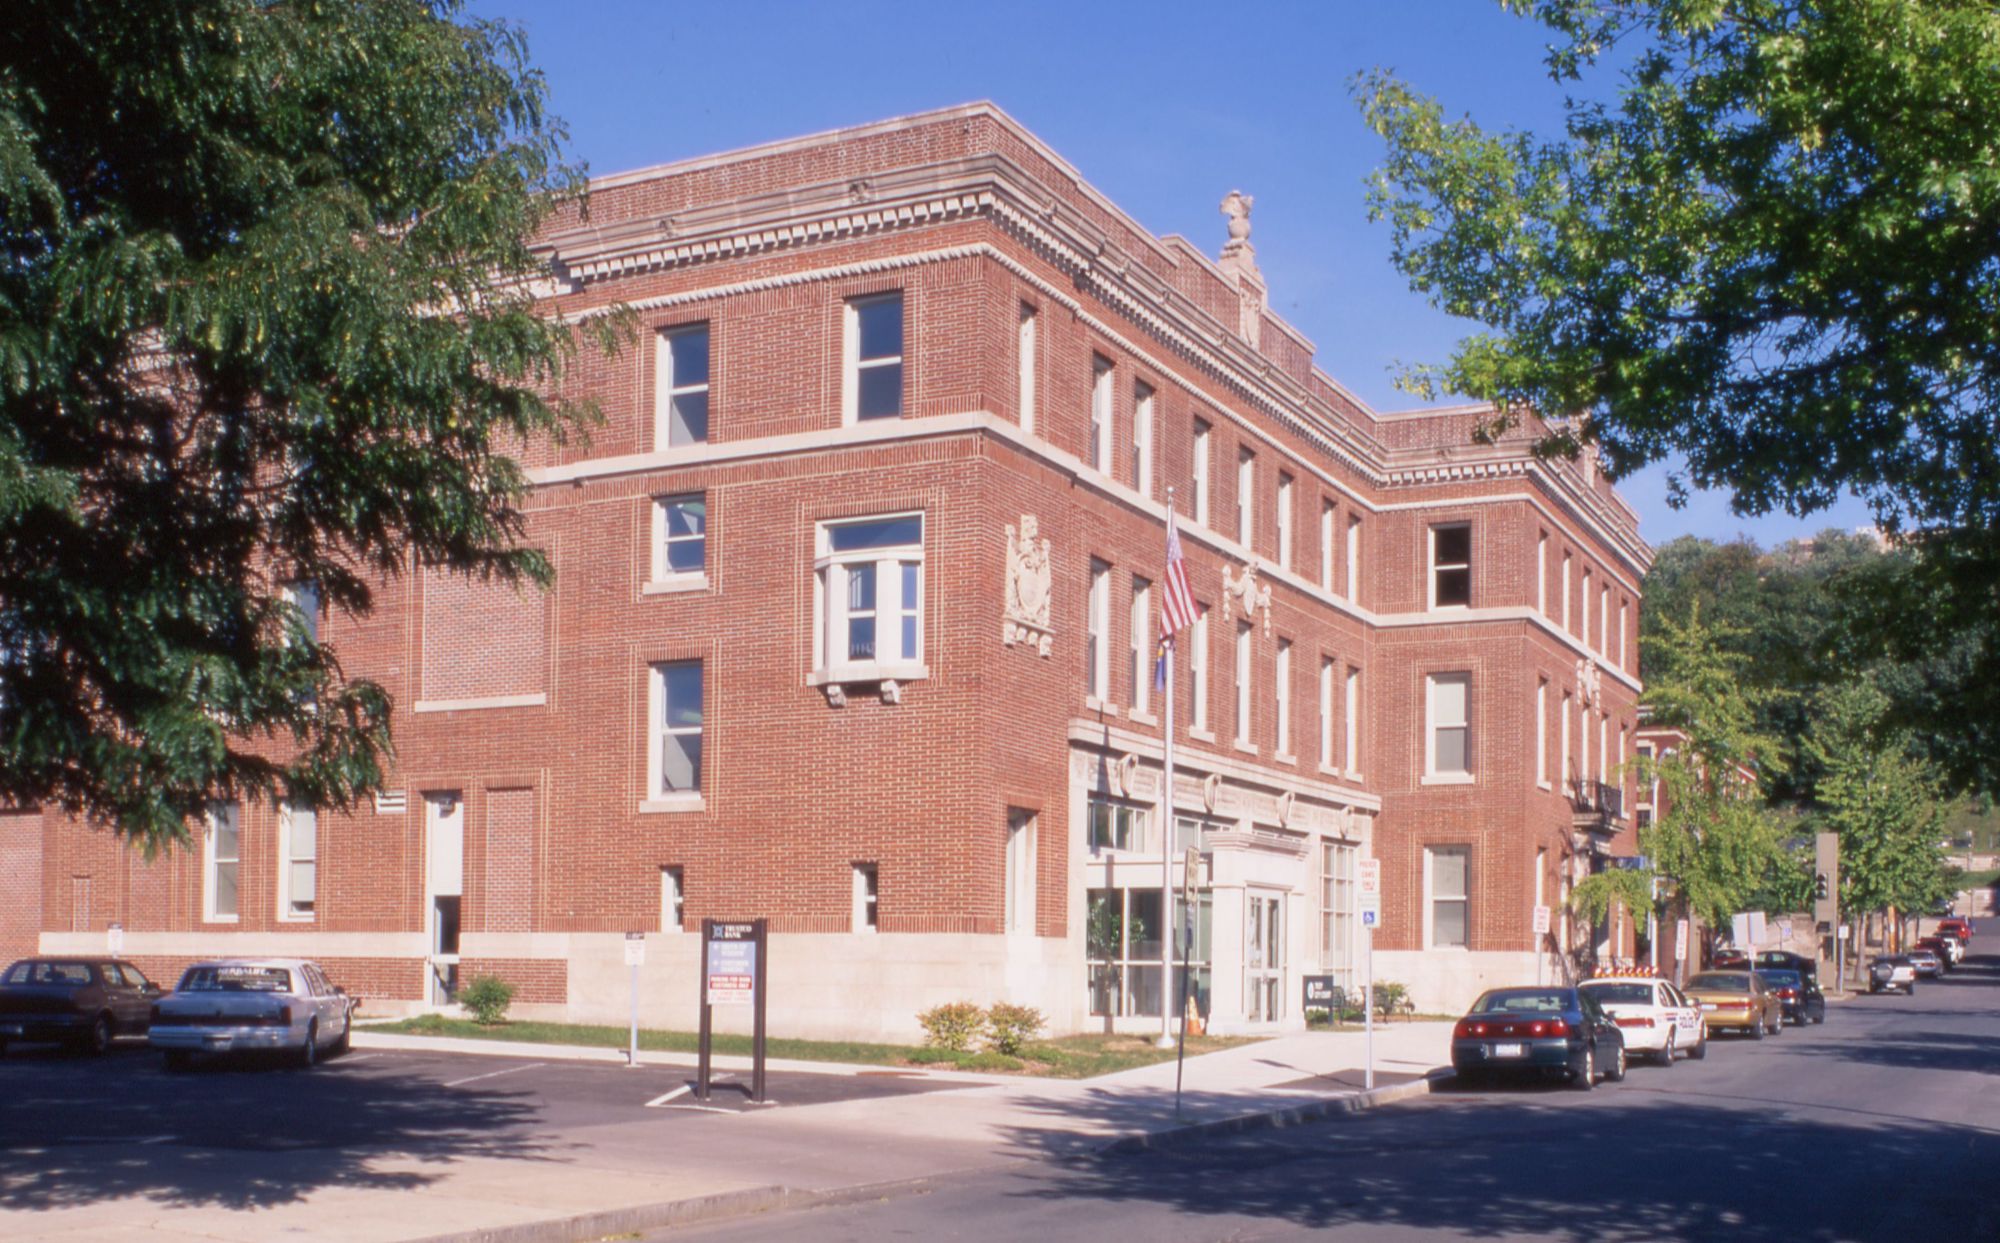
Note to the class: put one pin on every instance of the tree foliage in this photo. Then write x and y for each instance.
(1883, 803)
(265, 318)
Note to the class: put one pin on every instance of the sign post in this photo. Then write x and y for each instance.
(114, 939)
(1368, 886)
(635, 958)
(734, 969)
(1541, 938)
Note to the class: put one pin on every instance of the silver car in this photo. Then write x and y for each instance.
(233, 1005)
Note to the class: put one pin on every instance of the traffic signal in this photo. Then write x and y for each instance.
(1819, 885)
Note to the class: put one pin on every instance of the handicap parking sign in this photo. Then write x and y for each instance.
(1370, 918)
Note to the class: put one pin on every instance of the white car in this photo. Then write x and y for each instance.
(235, 1005)
(1653, 1015)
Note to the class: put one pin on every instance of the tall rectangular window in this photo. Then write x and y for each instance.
(1097, 633)
(303, 596)
(1326, 676)
(1542, 574)
(1447, 698)
(1243, 632)
(1542, 732)
(1451, 566)
(680, 536)
(1354, 560)
(1024, 353)
(1563, 585)
(869, 597)
(1583, 609)
(680, 386)
(1582, 741)
(1201, 490)
(676, 732)
(1198, 672)
(1337, 910)
(673, 900)
(1603, 748)
(1100, 412)
(1246, 483)
(1326, 521)
(1281, 686)
(867, 898)
(1604, 620)
(222, 858)
(1448, 869)
(1624, 622)
(1020, 870)
(298, 860)
(1141, 669)
(1563, 752)
(1284, 520)
(1142, 439)
(873, 376)
(1350, 721)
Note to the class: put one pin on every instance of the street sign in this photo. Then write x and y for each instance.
(732, 972)
(1541, 921)
(1368, 891)
(1680, 940)
(635, 949)
(1371, 918)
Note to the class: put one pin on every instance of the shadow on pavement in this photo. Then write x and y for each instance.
(77, 1131)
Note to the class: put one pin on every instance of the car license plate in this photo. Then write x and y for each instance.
(1509, 1050)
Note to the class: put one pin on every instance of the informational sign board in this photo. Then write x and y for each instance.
(635, 949)
(1368, 891)
(1541, 921)
(1680, 940)
(732, 973)
(1319, 990)
(114, 939)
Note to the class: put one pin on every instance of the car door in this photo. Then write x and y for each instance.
(124, 997)
(324, 1002)
(1600, 1025)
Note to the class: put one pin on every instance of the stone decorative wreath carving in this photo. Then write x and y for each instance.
(1026, 612)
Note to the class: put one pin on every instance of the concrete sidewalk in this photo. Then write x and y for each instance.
(632, 1176)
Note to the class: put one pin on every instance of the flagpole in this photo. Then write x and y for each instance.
(1167, 837)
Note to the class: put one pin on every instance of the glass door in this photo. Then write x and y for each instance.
(1264, 958)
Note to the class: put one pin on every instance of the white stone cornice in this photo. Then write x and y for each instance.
(1086, 732)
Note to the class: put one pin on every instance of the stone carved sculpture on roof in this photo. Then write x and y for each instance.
(1026, 618)
(1236, 205)
(1242, 591)
(1239, 261)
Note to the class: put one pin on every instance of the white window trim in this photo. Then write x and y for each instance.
(1433, 723)
(1244, 652)
(1204, 441)
(1025, 359)
(1246, 498)
(851, 365)
(1542, 574)
(1604, 620)
(867, 900)
(1350, 722)
(1431, 899)
(1564, 766)
(1327, 512)
(1353, 560)
(1284, 517)
(673, 899)
(1103, 374)
(1097, 633)
(1020, 872)
(664, 388)
(1142, 439)
(1327, 673)
(657, 797)
(286, 914)
(664, 580)
(1281, 696)
(1565, 593)
(1542, 733)
(1198, 675)
(1431, 557)
(1142, 634)
(830, 621)
(1624, 622)
(210, 863)
(1583, 606)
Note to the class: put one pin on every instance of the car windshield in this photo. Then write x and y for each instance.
(232, 979)
(1721, 983)
(1783, 979)
(73, 974)
(1522, 1001)
(1614, 994)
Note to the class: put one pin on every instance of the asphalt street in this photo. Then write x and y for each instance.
(1883, 1124)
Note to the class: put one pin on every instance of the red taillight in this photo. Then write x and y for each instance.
(1548, 1027)
(284, 1016)
(1788, 993)
(1468, 1029)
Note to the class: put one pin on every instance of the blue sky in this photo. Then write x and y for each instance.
(1165, 107)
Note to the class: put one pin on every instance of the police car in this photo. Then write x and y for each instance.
(1655, 1017)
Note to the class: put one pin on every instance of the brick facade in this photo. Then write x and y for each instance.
(536, 713)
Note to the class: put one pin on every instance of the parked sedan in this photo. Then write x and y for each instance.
(1798, 996)
(1737, 1000)
(1892, 971)
(246, 1004)
(85, 1002)
(1555, 1031)
(1927, 962)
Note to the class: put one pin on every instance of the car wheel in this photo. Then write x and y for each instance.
(340, 1043)
(1585, 1079)
(98, 1042)
(177, 1059)
(1700, 1049)
(1778, 1024)
(309, 1052)
(1667, 1054)
(1615, 1073)
(1757, 1029)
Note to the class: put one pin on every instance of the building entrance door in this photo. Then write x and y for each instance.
(444, 883)
(1264, 958)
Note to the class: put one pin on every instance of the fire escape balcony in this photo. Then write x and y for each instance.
(1596, 806)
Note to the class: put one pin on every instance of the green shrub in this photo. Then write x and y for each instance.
(952, 1025)
(1009, 1027)
(486, 999)
(990, 1060)
(1389, 997)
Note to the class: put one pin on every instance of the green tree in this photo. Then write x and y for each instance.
(1883, 802)
(266, 318)
(1766, 250)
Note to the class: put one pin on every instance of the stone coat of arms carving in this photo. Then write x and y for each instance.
(1242, 591)
(1026, 617)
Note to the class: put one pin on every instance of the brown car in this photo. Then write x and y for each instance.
(1737, 1001)
(85, 1002)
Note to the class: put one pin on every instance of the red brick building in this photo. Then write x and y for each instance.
(858, 587)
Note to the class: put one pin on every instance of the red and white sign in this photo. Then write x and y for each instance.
(1541, 921)
(1680, 940)
(1368, 891)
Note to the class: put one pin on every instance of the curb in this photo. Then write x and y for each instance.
(1297, 1115)
(585, 1227)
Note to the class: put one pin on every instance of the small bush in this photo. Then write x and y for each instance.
(1010, 1027)
(990, 1060)
(1389, 997)
(952, 1025)
(486, 999)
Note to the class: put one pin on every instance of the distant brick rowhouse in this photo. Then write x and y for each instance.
(857, 594)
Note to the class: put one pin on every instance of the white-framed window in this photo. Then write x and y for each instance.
(298, 860)
(1326, 678)
(1542, 574)
(1201, 454)
(1115, 826)
(673, 898)
(1583, 609)
(1198, 672)
(1336, 878)
(1100, 411)
(1142, 439)
(1281, 696)
(1097, 634)
(1563, 585)
(1025, 359)
(680, 537)
(303, 596)
(1350, 721)
(1582, 741)
(869, 598)
(867, 898)
(1448, 704)
(1140, 629)
(1451, 565)
(1447, 908)
(1326, 521)
(1564, 750)
(222, 862)
(1604, 619)
(674, 756)
(1243, 631)
(1354, 560)
(872, 379)
(1246, 497)
(680, 386)
(1603, 748)
(1624, 623)
(1020, 869)
(1284, 520)
(1542, 732)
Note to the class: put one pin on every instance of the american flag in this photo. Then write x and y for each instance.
(1177, 602)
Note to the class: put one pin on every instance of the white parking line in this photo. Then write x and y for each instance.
(491, 1074)
(664, 1097)
(707, 1109)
